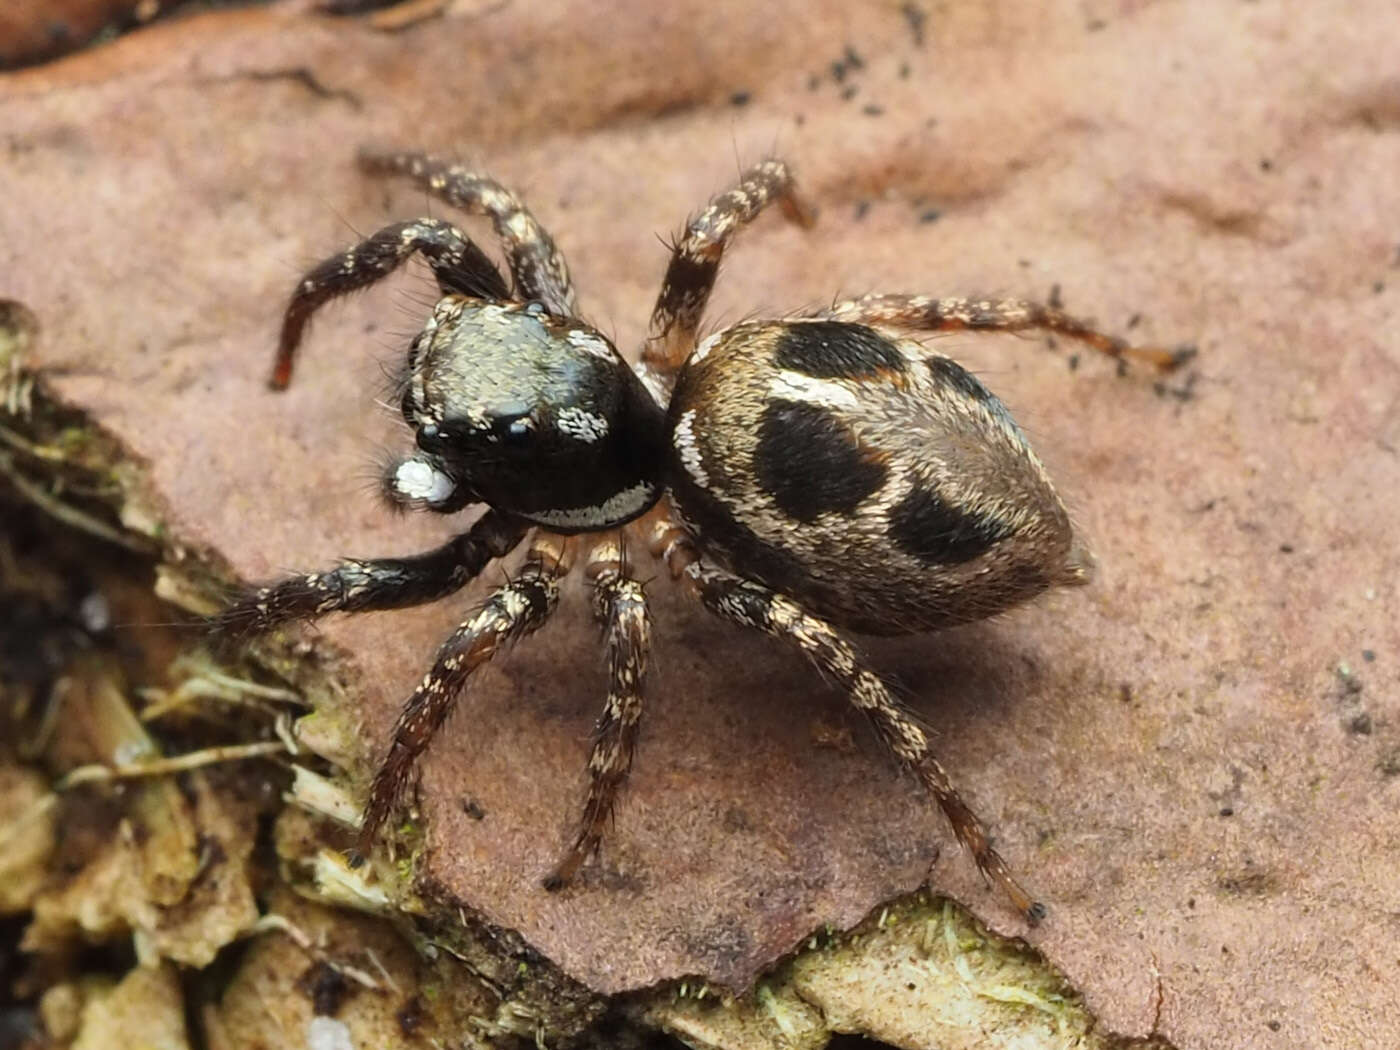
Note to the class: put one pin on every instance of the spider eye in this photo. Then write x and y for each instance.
(512, 426)
(431, 439)
(517, 430)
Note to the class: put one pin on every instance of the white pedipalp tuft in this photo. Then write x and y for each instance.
(416, 480)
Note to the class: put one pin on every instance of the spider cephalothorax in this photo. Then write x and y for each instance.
(535, 415)
(802, 475)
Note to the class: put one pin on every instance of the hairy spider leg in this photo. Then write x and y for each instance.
(515, 609)
(358, 585)
(924, 313)
(457, 263)
(690, 276)
(620, 606)
(751, 605)
(536, 265)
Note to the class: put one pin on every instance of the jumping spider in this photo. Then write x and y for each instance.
(797, 475)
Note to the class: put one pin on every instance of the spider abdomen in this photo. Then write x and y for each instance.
(875, 481)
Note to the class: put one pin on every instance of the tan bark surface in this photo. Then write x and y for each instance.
(1193, 762)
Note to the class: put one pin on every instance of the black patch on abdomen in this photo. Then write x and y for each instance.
(836, 350)
(937, 533)
(809, 462)
(735, 545)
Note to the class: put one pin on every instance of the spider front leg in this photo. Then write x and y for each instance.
(457, 263)
(695, 259)
(620, 606)
(383, 583)
(514, 610)
(751, 605)
(923, 313)
(536, 264)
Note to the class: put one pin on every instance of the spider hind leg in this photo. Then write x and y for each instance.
(927, 314)
(751, 605)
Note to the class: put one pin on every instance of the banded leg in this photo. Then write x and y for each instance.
(620, 606)
(357, 585)
(514, 610)
(457, 263)
(690, 277)
(923, 313)
(751, 605)
(536, 264)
